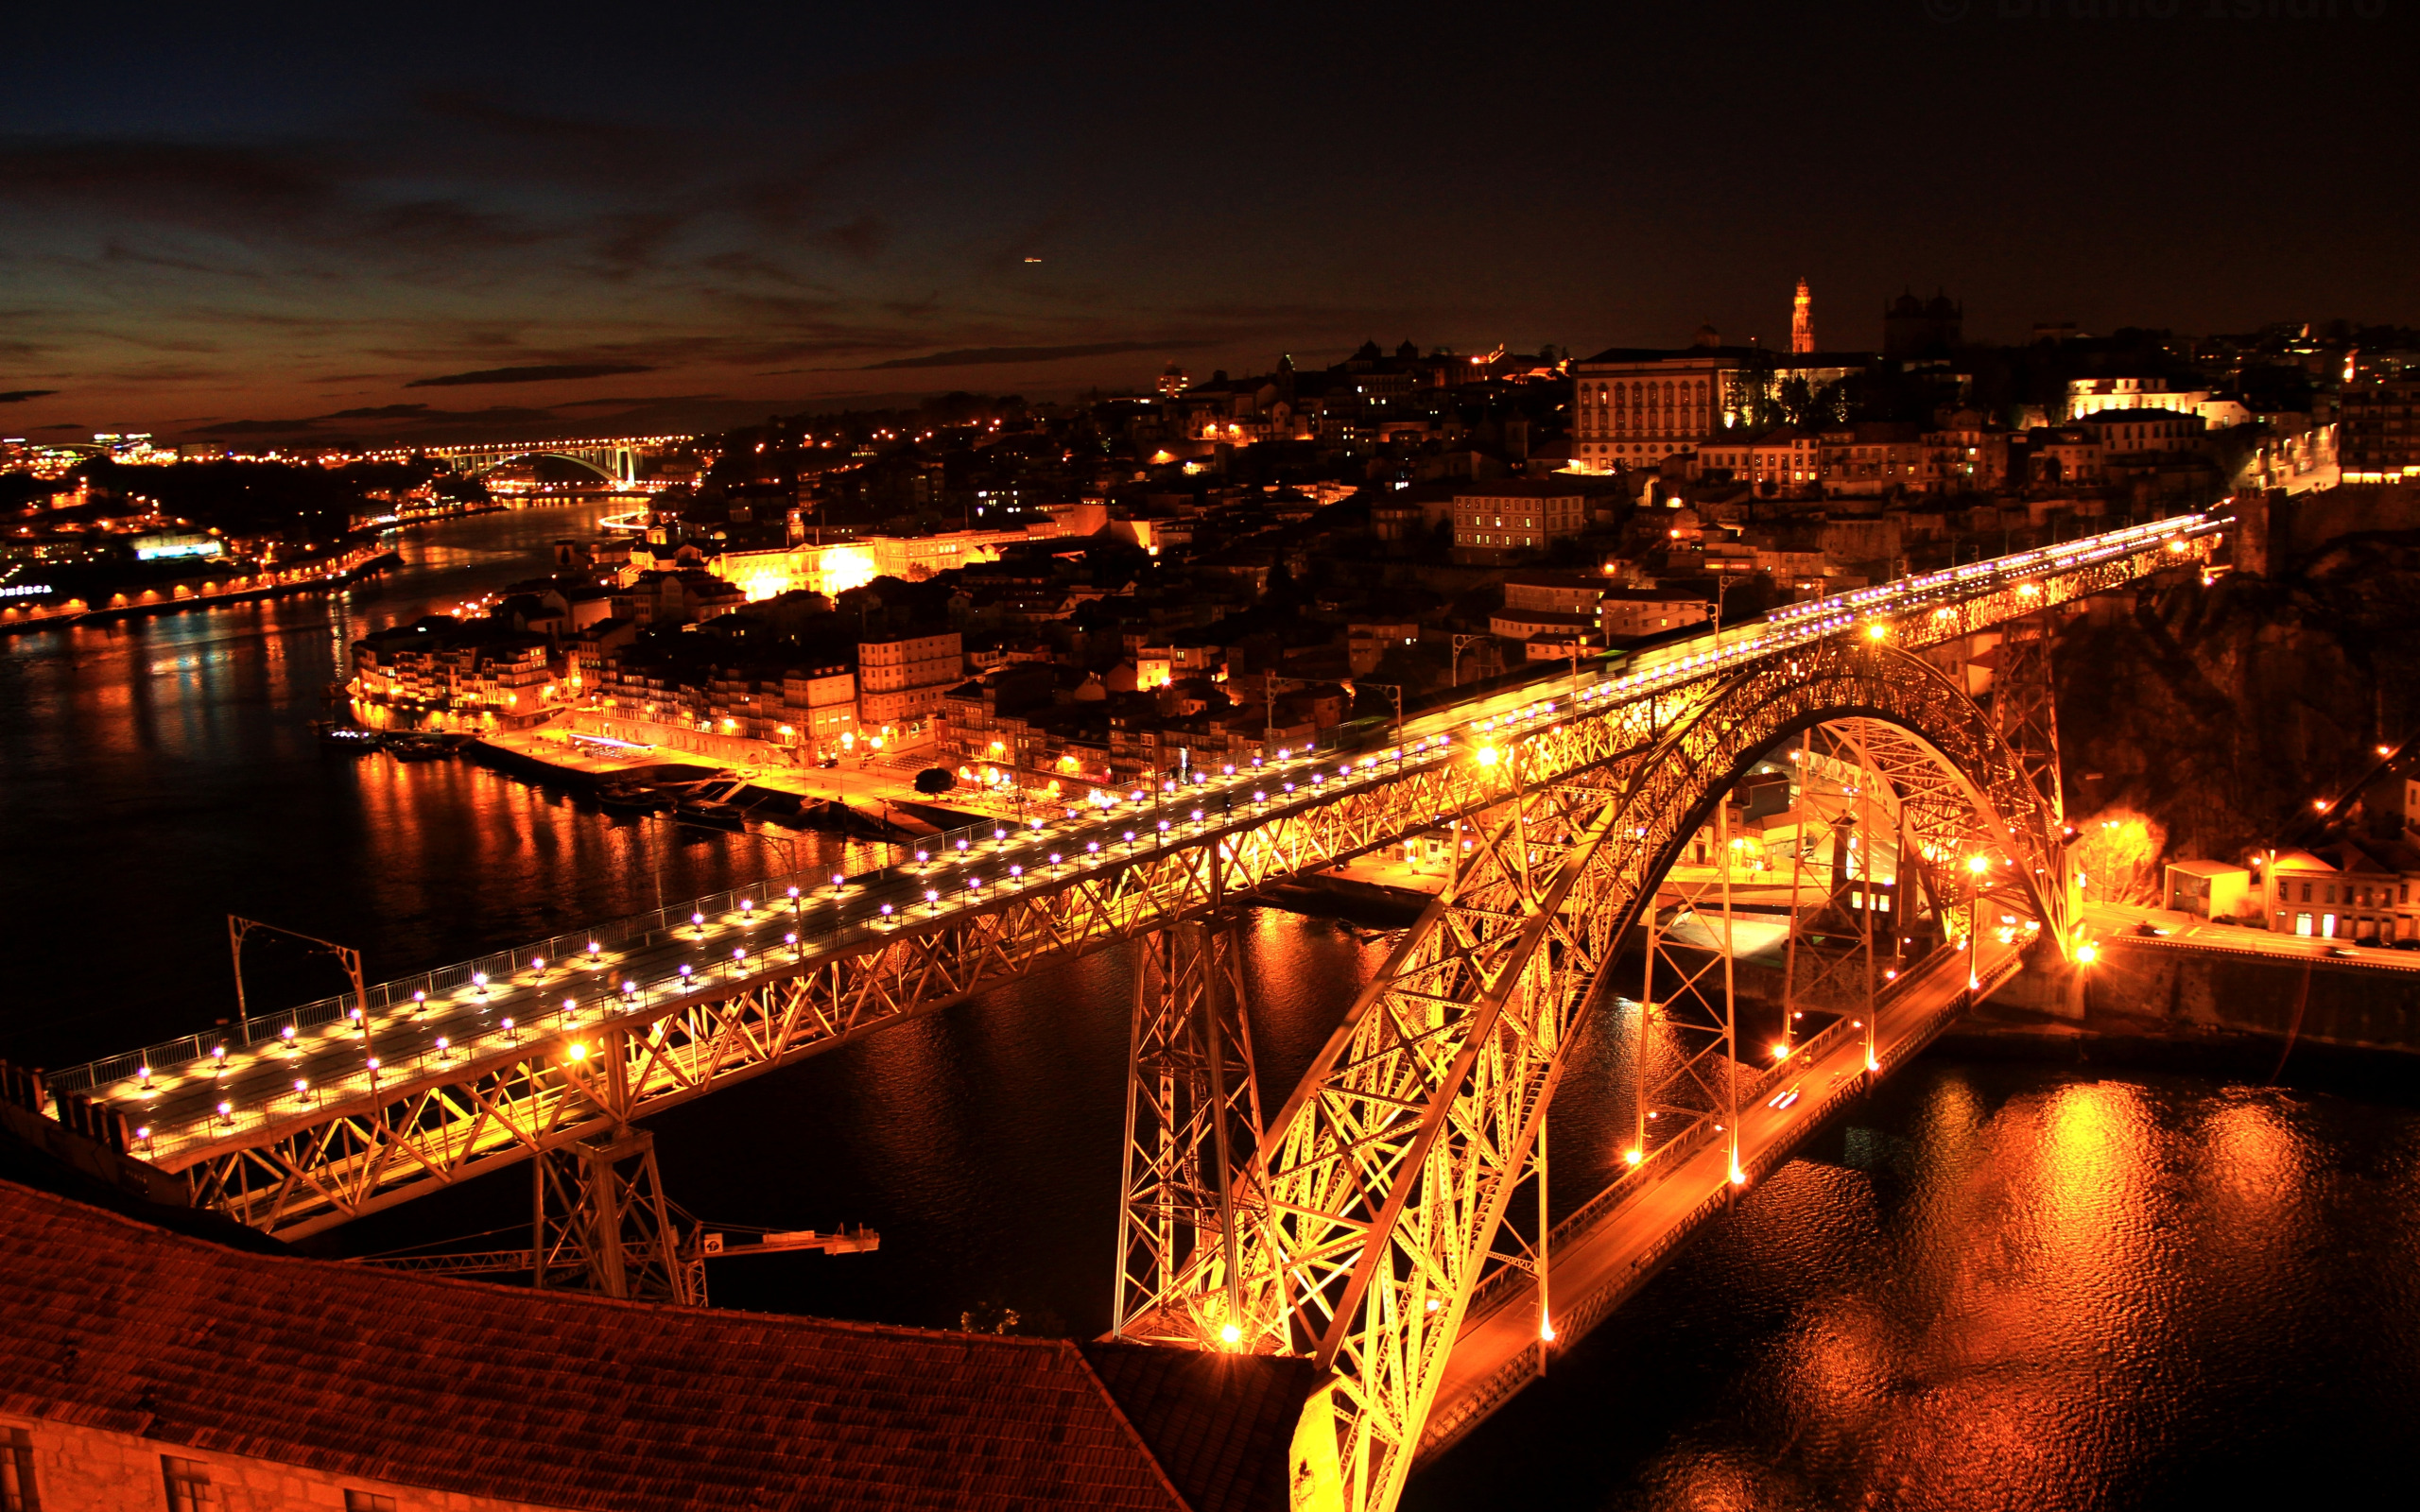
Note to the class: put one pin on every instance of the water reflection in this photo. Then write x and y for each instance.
(1998, 1286)
(2010, 1285)
(160, 773)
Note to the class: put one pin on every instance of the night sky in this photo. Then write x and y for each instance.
(266, 225)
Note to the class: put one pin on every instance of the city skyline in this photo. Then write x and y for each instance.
(328, 229)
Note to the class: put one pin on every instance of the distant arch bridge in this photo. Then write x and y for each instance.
(614, 460)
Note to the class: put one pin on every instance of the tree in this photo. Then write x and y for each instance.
(933, 781)
(2119, 851)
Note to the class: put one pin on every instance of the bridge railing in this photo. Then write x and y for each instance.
(1152, 819)
(1152, 815)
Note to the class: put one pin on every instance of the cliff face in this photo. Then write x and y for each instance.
(2223, 711)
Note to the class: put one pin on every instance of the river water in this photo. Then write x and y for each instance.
(1992, 1285)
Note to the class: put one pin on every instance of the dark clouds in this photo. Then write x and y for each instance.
(380, 412)
(984, 356)
(304, 217)
(548, 372)
(18, 396)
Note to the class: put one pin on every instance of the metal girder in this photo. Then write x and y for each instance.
(1387, 1175)
(366, 1140)
(388, 1135)
(601, 1225)
(1192, 1118)
(2024, 702)
(1685, 1053)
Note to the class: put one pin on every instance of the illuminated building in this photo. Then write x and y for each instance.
(1496, 520)
(822, 704)
(2143, 430)
(438, 662)
(1801, 321)
(163, 544)
(1628, 612)
(2087, 397)
(1870, 457)
(760, 573)
(1963, 454)
(2379, 436)
(1634, 406)
(901, 678)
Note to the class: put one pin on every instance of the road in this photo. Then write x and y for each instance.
(1614, 1243)
(2191, 932)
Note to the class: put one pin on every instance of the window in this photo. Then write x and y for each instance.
(368, 1501)
(188, 1483)
(17, 1492)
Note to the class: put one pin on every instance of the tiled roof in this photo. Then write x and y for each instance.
(1222, 1425)
(554, 1400)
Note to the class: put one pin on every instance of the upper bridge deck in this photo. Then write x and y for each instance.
(464, 1047)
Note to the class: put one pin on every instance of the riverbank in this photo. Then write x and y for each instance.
(2152, 988)
(869, 802)
(546, 758)
(352, 568)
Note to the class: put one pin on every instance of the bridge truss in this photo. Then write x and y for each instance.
(1357, 1226)
(1368, 1219)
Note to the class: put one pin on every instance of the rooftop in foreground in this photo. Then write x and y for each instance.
(544, 1399)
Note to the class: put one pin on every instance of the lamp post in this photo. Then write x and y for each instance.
(1975, 867)
(238, 926)
(1461, 642)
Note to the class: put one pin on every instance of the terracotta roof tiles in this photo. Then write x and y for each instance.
(574, 1402)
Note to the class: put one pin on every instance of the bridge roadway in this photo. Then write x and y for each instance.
(1616, 1243)
(277, 1077)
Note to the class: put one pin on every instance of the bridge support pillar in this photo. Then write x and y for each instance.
(2024, 704)
(1685, 1063)
(601, 1224)
(1192, 1121)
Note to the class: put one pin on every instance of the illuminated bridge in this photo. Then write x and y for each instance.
(1386, 1219)
(612, 459)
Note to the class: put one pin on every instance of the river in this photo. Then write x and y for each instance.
(1992, 1285)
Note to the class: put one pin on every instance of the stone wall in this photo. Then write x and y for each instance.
(2144, 987)
(2307, 521)
(91, 1470)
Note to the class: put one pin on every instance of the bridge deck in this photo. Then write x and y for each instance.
(236, 1088)
(1615, 1244)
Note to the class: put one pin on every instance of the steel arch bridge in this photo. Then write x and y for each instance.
(1373, 1224)
(1361, 1233)
(614, 460)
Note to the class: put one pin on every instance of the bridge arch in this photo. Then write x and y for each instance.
(1368, 1218)
(482, 468)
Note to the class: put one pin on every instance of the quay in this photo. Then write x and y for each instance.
(316, 578)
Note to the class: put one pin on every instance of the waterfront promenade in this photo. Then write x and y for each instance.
(310, 577)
